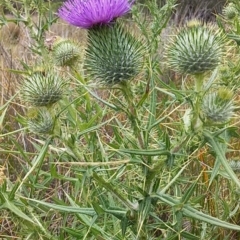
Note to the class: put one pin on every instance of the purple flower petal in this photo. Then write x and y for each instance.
(87, 13)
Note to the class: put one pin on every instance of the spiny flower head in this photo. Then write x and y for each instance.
(89, 13)
(66, 53)
(113, 55)
(42, 122)
(218, 106)
(230, 11)
(42, 89)
(196, 49)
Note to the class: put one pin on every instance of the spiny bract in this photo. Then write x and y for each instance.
(196, 49)
(113, 55)
(66, 53)
(42, 89)
(230, 11)
(218, 106)
(42, 123)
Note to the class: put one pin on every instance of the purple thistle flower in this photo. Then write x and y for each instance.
(88, 13)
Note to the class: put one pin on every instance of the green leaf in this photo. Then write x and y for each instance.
(115, 191)
(221, 156)
(116, 212)
(146, 152)
(90, 222)
(124, 225)
(86, 211)
(144, 209)
(13, 191)
(191, 212)
(37, 161)
(209, 83)
(101, 100)
(189, 236)
(187, 195)
(215, 170)
(99, 210)
(73, 232)
(10, 206)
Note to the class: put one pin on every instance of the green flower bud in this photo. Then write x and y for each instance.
(112, 54)
(66, 53)
(42, 122)
(230, 11)
(196, 49)
(42, 89)
(218, 106)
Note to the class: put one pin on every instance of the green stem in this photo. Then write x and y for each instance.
(196, 121)
(86, 95)
(199, 83)
(132, 111)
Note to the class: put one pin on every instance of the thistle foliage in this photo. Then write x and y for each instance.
(195, 49)
(113, 55)
(42, 90)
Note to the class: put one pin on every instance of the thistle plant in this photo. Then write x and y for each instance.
(113, 55)
(195, 50)
(66, 53)
(121, 166)
(41, 89)
(218, 106)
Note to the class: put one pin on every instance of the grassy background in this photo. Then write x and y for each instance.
(85, 182)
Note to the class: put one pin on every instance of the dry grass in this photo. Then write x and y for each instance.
(14, 47)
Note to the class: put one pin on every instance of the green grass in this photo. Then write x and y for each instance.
(121, 161)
